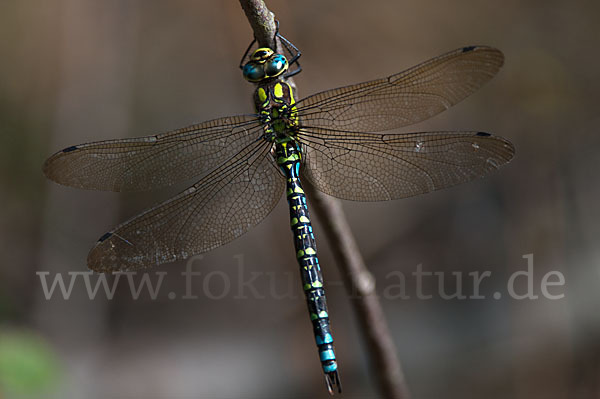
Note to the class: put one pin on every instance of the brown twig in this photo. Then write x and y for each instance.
(357, 279)
(261, 20)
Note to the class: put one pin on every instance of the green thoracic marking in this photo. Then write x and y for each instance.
(262, 95)
(291, 158)
(283, 140)
(278, 90)
(323, 314)
(317, 284)
(304, 219)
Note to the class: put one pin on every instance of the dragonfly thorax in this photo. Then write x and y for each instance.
(264, 64)
(274, 102)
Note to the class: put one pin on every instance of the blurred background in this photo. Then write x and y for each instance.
(74, 71)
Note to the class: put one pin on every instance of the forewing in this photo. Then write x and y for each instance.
(404, 98)
(152, 161)
(219, 208)
(376, 167)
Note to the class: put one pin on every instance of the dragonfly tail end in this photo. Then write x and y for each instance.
(332, 379)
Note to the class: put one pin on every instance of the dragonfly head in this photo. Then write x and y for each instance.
(264, 64)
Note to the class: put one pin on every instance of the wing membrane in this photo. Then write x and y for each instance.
(153, 161)
(219, 208)
(404, 98)
(377, 167)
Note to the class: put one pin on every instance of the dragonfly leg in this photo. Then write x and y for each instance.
(293, 50)
(246, 53)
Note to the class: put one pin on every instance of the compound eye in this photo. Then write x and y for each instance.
(253, 72)
(276, 65)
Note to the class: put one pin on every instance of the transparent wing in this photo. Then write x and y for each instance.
(376, 167)
(404, 98)
(219, 208)
(153, 161)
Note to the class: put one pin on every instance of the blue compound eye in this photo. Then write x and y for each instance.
(276, 65)
(253, 72)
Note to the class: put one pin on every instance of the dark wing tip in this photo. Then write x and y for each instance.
(496, 56)
(95, 259)
(105, 236)
(52, 166)
(510, 149)
(507, 150)
(71, 148)
(113, 253)
(49, 167)
(102, 257)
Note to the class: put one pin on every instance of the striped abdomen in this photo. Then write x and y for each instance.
(288, 157)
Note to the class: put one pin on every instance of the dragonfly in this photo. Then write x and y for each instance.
(338, 140)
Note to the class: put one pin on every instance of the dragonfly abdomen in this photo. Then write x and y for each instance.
(288, 155)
